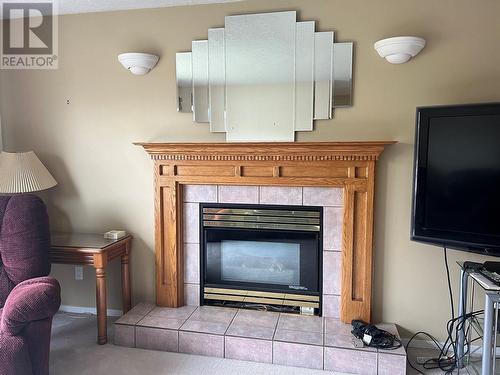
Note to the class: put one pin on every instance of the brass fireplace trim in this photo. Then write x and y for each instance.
(247, 225)
(346, 165)
(252, 296)
(261, 212)
(262, 218)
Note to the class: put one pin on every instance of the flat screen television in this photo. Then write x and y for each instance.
(456, 191)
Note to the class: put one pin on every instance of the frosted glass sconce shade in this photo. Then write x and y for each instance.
(138, 63)
(399, 49)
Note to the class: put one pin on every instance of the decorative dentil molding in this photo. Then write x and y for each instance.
(283, 151)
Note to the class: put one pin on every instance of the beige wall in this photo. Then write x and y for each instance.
(105, 182)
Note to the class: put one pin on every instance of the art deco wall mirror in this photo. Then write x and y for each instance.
(264, 76)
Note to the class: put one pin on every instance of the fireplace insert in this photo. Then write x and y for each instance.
(265, 257)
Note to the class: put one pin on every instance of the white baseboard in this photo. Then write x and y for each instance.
(87, 310)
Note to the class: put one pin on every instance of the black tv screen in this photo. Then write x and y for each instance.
(456, 195)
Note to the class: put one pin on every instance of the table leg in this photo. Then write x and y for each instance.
(489, 311)
(102, 337)
(462, 310)
(127, 303)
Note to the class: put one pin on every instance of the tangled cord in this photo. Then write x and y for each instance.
(375, 337)
(444, 362)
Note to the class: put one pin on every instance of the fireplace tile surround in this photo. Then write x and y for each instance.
(330, 199)
(268, 337)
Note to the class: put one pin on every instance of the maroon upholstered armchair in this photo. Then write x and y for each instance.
(28, 297)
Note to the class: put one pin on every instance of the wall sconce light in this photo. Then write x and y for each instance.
(138, 63)
(399, 49)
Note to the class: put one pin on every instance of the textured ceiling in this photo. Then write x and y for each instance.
(88, 6)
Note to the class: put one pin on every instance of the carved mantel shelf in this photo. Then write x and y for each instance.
(349, 165)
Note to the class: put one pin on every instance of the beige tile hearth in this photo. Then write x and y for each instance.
(214, 314)
(136, 313)
(249, 331)
(209, 319)
(300, 329)
(125, 335)
(160, 322)
(351, 361)
(266, 319)
(205, 327)
(300, 337)
(298, 355)
(157, 339)
(343, 341)
(201, 344)
(258, 336)
(300, 323)
(391, 364)
(253, 324)
(166, 318)
(247, 349)
(183, 312)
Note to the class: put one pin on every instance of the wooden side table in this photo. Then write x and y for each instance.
(94, 250)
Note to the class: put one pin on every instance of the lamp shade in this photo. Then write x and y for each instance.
(23, 172)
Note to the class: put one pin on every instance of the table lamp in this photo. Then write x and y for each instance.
(23, 172)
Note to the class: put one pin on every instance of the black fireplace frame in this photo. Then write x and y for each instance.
(319, 209)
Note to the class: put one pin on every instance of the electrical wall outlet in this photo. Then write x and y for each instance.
(78, 273)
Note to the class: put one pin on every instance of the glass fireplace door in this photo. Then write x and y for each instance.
(261, 256)
(268, 260)
(260, 262)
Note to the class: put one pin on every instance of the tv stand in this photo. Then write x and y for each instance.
(492, 298)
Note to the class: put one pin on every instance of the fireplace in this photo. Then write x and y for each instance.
(349, 166)
(261, 257)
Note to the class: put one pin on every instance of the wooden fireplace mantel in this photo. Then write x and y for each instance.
(349, 165)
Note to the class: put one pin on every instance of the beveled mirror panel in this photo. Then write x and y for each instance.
(260, 77)
(304, 76)
(264, 76)
(200, 80)
(342, 74)
(323, 56)
(216, 80)
(184, 79)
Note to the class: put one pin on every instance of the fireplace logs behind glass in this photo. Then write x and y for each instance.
(265, 257)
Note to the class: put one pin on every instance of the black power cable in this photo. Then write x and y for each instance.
(444, 362)
(375, 337)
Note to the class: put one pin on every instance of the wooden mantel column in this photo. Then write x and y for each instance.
(350, 165)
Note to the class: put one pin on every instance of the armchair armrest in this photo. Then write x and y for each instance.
(33, 299)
